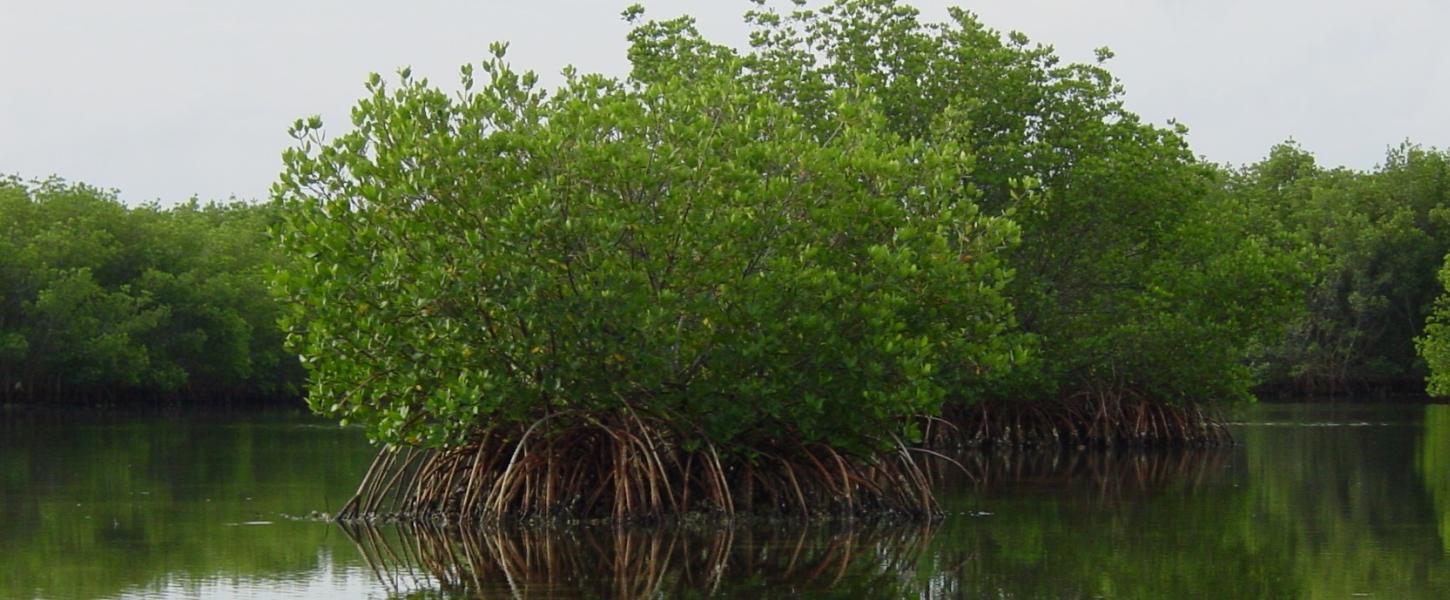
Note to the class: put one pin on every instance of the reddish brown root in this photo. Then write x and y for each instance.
(576, 467)
(1097, 420)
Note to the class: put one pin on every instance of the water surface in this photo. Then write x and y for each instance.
(1341, 501)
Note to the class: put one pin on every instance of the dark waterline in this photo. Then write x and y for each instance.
(1347, 500)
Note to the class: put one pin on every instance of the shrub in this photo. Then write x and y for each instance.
(686, 249)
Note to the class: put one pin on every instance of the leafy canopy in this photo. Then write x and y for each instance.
(682, 243)
(1132, 272)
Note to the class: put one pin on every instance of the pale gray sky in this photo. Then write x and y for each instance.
(165, 99)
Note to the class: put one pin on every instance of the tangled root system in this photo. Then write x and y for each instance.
(572, 466)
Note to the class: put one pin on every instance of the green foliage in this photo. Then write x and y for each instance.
(1434, 345)
(97, 299)
(681, 244)
(1131, 272)
(1370, 244)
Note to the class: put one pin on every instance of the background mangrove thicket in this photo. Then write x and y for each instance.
(1371, 244)
(104, 302)
(1132, 275)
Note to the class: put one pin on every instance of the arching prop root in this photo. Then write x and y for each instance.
(611, 562)
(572, 466)
(1095, 420)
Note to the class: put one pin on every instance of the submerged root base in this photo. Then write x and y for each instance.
(1113, 420)
(575, 467)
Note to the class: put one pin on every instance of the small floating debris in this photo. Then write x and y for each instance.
(312, 516)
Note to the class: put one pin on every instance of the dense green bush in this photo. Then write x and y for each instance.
(1434, 344)
(684, 246)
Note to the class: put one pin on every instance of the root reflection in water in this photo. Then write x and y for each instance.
(1125, 470)
(857, 560)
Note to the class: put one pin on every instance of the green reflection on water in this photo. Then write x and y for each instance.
(1434, 466)
(1337, 489)
(94, 507)
(1316, 502)
(1172, 525)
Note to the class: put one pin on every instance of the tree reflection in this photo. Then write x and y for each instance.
(1434, 466)
(96, 506)
(1336, 489)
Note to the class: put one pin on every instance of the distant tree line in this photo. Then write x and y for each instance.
(1370, 244)
(101, 302)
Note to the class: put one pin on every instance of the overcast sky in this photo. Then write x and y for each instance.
(167, 99)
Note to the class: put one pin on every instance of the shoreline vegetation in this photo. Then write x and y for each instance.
(778, 280)
(107, 305)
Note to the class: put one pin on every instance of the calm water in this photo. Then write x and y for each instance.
(1316, 502)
